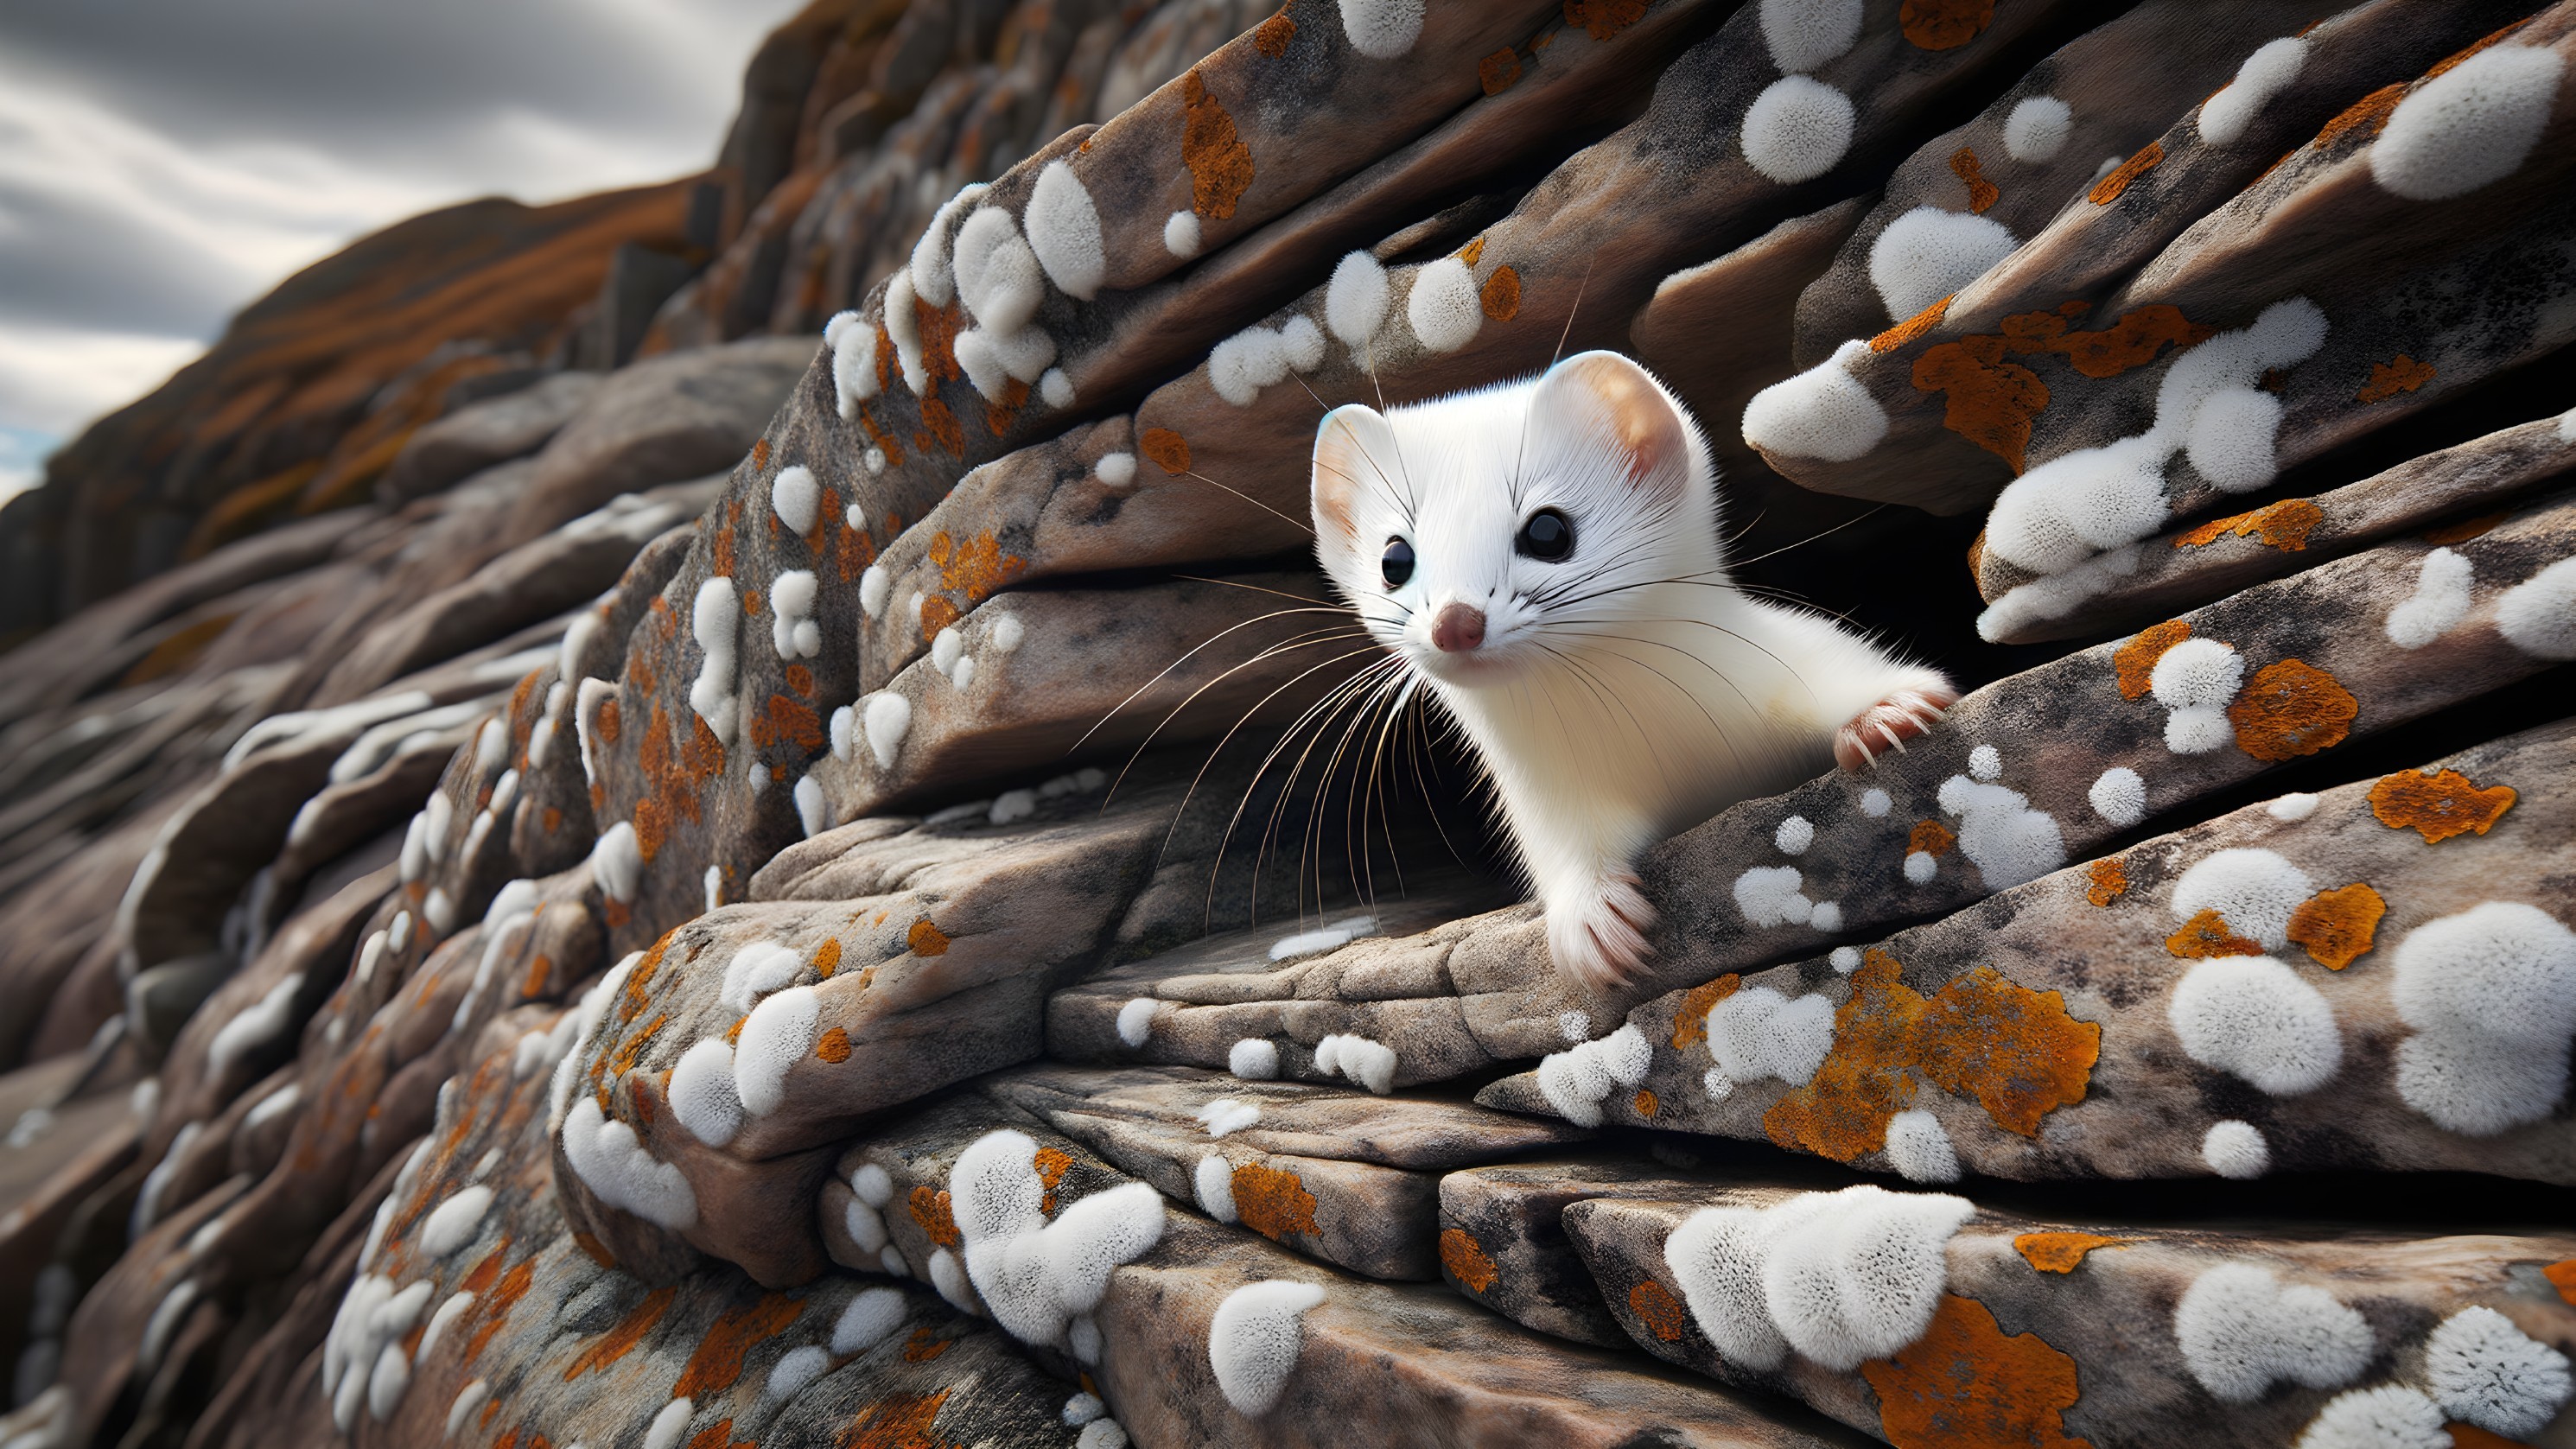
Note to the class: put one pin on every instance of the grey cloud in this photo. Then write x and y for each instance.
(75, 262)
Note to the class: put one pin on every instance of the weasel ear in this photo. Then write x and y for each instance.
(1354, 447)
(1612, 398)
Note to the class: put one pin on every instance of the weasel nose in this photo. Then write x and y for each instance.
(1457, 628)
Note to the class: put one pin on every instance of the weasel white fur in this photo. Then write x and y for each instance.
(1544, 556)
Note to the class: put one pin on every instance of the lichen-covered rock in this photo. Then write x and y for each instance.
(849, 882)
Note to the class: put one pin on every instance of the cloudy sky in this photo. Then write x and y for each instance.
(163, 162)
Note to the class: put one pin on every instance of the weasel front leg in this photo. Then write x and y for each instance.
(1597, 918)
(1907, 710)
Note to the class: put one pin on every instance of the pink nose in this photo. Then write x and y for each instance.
(1457, 628)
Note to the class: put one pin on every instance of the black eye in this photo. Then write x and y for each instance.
(1547, 537)
(1397, 565)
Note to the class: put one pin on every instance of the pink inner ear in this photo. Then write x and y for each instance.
(1638, 416)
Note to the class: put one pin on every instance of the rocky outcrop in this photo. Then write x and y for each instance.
(868, 895)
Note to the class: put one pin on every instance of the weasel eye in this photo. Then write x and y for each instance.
(1547, 537)
(1397, 565)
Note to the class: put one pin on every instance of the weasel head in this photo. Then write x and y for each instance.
(1489, 534)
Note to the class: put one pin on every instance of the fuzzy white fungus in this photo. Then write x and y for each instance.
(854, 364)
(2491, 995)
(1381, 29)
(1918, 1147)
(1181, 234)
(1805, 34)
(610, 1159)
(2486, 1371)
(1255, 1059)
(1770, 895)
(1845, 959)
(1757, 1033)
(1443, 307)
(2009, 842)
(2258, 1019)
(1254, 1340)
(2264, 74)
(1355, 300)
(453, 1223)
(2440, 600)
(777, 1035)
(2037, 127)
(1226, 1116)
(1576, 1080)
(1797, 129)
(2240, 1332)
(2295, 806)
(1064, 232)
(702, 1092)
(2470, 126)
(2390, 1416)
(715, 620)
(2119, 796)
(1055, 388)
(1928, 254)
(1323, 938)
(2253, 890)
(1794, 835)
(1841, 1277)
(1034, 1276)
(2195, 689)
(795, 497)
(1136, 1020)
(868, 1320)
(884, 717)
(1369, 1063)
(1213, 1182)
(1115, 470)
(2538, 615)
(1823, 412)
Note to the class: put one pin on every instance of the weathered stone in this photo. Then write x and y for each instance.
(474, 438)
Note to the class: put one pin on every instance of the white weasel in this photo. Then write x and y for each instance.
(1544, 557)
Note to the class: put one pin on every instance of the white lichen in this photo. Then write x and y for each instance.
(1797, 129)
(2469, 127)
(1823, 412)
(1928, 254)
(2264, 74)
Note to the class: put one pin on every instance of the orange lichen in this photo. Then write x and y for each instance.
(541, 968)
(496, 1307)
(2135, 661)
(2440, 805)
(975, 568)
(2369, 113)
(1169, 450)
(1052, 1165)
(1644, 1104)
(1966, 1384)
(1473, 253)
(718, 1360)
(1220, 164)
(1930, 837)
(1465, 1259)
(1843, 1110)
(1003, 411)
(2466, 528)
(939, 426)
(1602, 19)
(2562, 1276)
(2060, 1252)
(2399, 374)
(1912, 327)
(924, 1346)
(1273, 1203)
(897, 1421)
(2110, 877)
(930, 1208)
(1271, 36)
(2016, 1051)
(1497, 71)
(607, 724)
(2207, 935)
(827, 958)
(622, 1339)
(1657, 1308)
(760, 453)
(1981, 192)
(1990, 401)
(937, 614)
(718, 1435)
(2133, 341)
(791, 720)
(2470, 1436)
(2291, 708)
(2284, 525)
(2336, 927)
(834, 1047)
(1944, 24)
(1501, 296)
(1690, 1019)
(926, 939)
(2108, 189)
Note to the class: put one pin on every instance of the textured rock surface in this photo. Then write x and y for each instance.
(531, 909)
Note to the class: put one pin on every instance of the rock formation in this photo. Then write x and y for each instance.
(734, 814)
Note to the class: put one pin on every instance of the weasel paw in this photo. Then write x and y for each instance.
(1888, 724)
(1599, 942)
